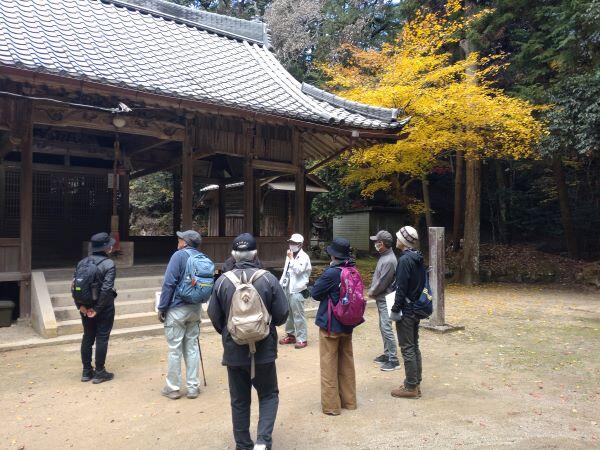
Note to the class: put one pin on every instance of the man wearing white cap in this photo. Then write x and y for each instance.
(410, 281)
(294, 282)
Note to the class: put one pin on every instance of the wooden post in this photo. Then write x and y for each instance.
(436, 279)
(124, 212)
(187, 168)
(176, 201)
(222, 211)
(23, 132)
(300, 204)
(249, 194)
(256, 225)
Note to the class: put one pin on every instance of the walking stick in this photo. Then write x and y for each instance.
(201, 361)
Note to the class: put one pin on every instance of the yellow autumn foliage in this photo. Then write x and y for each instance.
(453, 103)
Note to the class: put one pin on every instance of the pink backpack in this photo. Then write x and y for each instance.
(350, 308)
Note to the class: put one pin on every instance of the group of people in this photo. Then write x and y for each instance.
(282, 301)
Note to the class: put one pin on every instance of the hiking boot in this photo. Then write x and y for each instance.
(101, 376)
(87, 374)
(389, 366)
(192, 394)
(289, 339)
(173, 395)
(404, 392)
(381, 359)
(300, 344)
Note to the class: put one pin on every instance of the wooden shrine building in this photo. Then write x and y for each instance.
(94, 93)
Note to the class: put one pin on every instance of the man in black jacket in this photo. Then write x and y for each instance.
(410, 281)
(237, 357)
(98, 320)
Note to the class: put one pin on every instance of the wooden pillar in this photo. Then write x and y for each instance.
(300, 204)
(436, 278)
(124, 203)
(222, 211)
(187, 169)
(249, 194)
(176, 201)
(22, 129)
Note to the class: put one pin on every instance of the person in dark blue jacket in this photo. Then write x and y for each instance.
(182, 321)
(338, 379)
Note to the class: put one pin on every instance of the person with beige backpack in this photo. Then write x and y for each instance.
(246, 305)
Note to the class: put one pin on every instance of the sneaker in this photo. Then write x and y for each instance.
(173, 395)
(289, 339)
(390, 365)
(260, 447)
(300, 344)
(87, 374)
(404, 392)
(101, 376)
(381, 359)
(192, 394)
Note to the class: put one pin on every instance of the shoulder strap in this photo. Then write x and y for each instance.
(232, 277)
(256, 275)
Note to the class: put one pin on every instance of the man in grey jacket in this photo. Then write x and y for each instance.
(383, 284)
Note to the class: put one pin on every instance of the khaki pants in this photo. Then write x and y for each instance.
(338, 379)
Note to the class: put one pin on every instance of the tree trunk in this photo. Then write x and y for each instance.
(565, 208)
(459, 186)
(470, 263)
(427, 201)
(502, 207)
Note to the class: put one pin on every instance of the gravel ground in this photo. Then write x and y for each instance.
(525, 373)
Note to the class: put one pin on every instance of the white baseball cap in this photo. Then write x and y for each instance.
(296, 238)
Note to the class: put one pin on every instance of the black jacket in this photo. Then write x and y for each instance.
(218, 310)
(107, 272)
(410, 280)
(328, 286)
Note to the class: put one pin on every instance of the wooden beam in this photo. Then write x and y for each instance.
(148, 147)
(22, 128)
(300, 210)
(176, 200)
(249, 193)
(124, 207)
(99, 120)
(274, 166)
(14, 276)
(187, 171)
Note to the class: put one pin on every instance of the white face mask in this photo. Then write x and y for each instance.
(295, 248)
(378, 246)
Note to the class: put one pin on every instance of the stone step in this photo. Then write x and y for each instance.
(154, 282)
(121, 306)
(146, 293)
(121, 321)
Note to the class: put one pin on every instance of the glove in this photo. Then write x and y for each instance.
(161, 316)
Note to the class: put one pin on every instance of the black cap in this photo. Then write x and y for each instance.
(191, 237)
(244, 242)
(101, 242)
(339, 248)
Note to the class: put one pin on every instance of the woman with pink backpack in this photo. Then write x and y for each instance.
(342, 305)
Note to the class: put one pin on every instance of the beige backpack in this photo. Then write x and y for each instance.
(248, 321)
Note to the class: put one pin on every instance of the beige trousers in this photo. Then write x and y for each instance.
(338, 379)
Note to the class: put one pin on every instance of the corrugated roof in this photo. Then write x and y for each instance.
(156, 47)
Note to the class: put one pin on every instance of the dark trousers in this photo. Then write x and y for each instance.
(408, 339)
(240, 390)
(96, 330)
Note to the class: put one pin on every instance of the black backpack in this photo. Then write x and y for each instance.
(84, 288)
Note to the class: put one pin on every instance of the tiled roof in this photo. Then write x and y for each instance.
(157, 47)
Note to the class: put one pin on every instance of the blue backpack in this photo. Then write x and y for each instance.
(423, 307)
(198, 279)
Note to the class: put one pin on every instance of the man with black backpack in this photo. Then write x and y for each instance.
(246, 306)
(93, 289)
(410, 281)
(187, 284)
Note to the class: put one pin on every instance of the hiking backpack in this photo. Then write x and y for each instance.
(84, 287)
(198, 278)
(249, 320)
(423, 306)
(350, 308)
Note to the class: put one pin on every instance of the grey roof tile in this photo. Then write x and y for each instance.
(147, 47)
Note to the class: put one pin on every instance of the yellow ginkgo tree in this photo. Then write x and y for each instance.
(454, 104)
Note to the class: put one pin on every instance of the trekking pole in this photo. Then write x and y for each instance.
(201, 361)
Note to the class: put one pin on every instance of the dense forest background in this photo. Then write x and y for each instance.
(546, 53)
